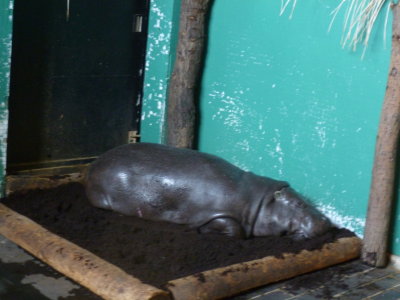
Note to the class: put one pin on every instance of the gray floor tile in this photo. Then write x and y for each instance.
(397, 288)
(378, 273)
(258, 291)
(276, 295)
(352, 267)
(333, 280)
(23, 277)
(303, 284)
(387, 282)
(360, 292)
(360, 279)
(388, 295)
(306, 297)
(329, 291)
(395, 274)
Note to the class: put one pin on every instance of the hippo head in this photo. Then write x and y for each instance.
(288, 213)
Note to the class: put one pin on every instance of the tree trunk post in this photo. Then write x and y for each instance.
(181, 111)
(375, 245)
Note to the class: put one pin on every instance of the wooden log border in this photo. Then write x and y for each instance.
(21, 183)
(99, 276)
(231, 280)
(110, 282)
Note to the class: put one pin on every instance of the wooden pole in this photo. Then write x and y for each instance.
(227, 281)
(375, 246)
(101, 277)
(181, 111)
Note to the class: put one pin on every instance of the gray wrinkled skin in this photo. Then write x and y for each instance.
(183, 186)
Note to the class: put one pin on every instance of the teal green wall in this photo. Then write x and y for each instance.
(164, 16)
(280, 97)
(6, 7)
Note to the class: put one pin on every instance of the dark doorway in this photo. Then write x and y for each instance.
(76, 79)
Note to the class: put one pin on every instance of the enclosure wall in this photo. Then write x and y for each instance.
(161, 43)
(280, 97)
(6, 7)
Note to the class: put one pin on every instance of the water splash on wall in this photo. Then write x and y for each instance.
(158, 66)
(355, 224)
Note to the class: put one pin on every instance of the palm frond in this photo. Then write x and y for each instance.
(359, 19)
(284, 5)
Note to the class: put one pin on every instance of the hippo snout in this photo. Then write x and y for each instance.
(288, 213)
(313, 226)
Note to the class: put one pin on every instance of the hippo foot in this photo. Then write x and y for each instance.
(225, 225)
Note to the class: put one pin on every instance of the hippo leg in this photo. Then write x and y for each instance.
(223, 225)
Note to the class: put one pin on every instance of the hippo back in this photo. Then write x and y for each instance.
(159, 182)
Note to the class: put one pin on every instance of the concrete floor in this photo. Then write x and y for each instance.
(349, 281)
(23, 277)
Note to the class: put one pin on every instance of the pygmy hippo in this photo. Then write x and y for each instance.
(162, 183)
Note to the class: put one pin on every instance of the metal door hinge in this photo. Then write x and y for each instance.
(137, 23)
(133, 136)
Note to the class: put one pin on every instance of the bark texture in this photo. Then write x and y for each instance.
(375, 246)
(227, 281)
(181, 112)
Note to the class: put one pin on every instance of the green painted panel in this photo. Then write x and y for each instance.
(163, 27)
(395, 241)
(6, 8)
(281, 97)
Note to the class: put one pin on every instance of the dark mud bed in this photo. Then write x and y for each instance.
(155, 252)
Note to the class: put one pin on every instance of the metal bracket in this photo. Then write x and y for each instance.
(137, 23)
(133, 136)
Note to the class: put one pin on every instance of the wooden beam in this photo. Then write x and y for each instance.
(99, 276)
(233, 279)
(181, 111)
(375, 247)
(18, 183)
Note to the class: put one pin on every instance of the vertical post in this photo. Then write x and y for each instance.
(375, 246)
(181, 112)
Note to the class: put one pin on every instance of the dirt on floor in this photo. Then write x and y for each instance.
(327, 281)
(155, 252)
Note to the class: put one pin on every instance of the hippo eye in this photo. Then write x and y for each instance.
(278, 194)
